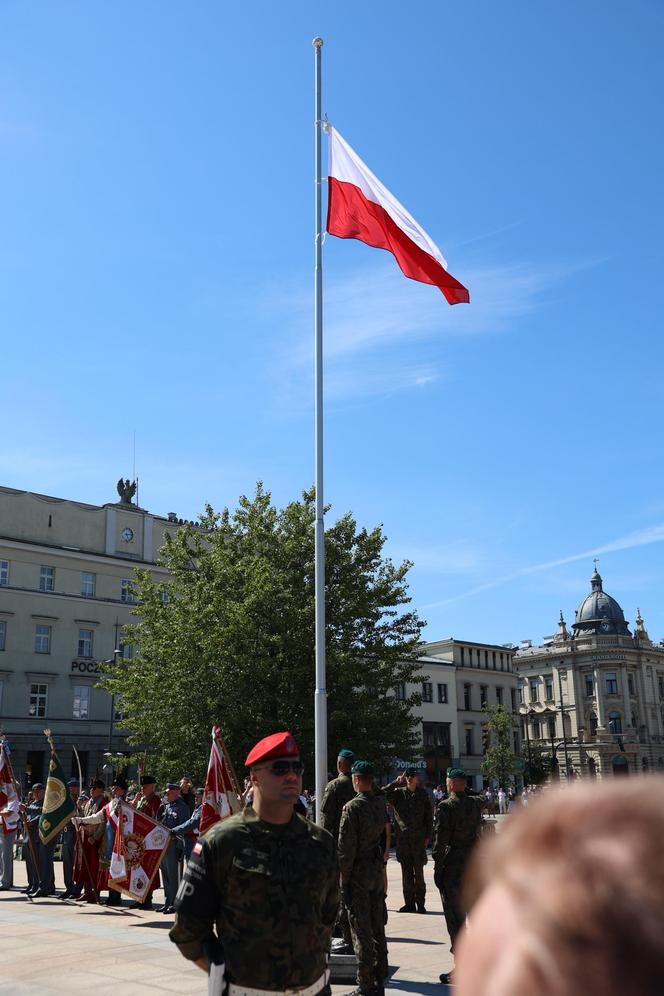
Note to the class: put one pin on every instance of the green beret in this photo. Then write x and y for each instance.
(362, 768)
(346, 753)
(456, 773)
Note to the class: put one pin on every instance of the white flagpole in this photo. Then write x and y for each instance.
(320, 699)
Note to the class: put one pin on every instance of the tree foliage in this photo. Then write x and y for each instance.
(499, 758)
(228, 638)
(538, 761)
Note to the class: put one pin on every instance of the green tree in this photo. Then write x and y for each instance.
(499, 758)
(229, 638)
(538, 762)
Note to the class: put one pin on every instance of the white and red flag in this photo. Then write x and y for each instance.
(360, 207)
(220, 798)
(139, 845)
(8, 798)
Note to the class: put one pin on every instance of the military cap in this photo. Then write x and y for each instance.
(276, 745)
(412, 771)
(199, 791)
(72, 782)
(148, 780)
(120, 782)
(171, 786)
(97, 783)
(348, 754)
(456, 773)
(362, 768)
(37, 785)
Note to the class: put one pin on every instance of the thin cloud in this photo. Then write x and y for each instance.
(641, 537)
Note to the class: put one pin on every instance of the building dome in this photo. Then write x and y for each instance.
(599, 613)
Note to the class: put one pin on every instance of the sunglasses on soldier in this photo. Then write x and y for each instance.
(280, 768)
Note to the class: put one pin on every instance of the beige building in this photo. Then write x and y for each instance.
(595, 694)
(65, 573)
(484, 676)
(436, 716)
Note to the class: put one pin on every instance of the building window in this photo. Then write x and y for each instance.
(85, 638)
(118, 710)
(630, 683)
(611, 683)
(400, 692)
(534, 690)
(127, 650)
(513, 698)
(125, 592)
(486, 660)
(47, 578)
(548, 689)
(552, 727)
(3, 634)
(38, 701)
(81, 701)
(42, 639)
(660, 682)
(615, 722)
(536, 729)
(427, 691)
(437, 735)
(469, 739)
(499, 695)
(442, 694)
(4, 572)
(593, 724)
(463, 656)
(590, 684)
(493, 658)
(519, 692)
(467, 702)
(164, 596)
(484, 696)
(88, 584)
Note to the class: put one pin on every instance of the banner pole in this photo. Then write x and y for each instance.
(320, 698)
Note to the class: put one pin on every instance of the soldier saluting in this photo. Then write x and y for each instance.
(413, 820)
(260, 891)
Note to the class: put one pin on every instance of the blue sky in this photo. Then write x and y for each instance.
(156, 273)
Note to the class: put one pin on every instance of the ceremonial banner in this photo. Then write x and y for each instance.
(360, 207)
(58, 806)
(220, 798)
(140, 844)
(8, 798)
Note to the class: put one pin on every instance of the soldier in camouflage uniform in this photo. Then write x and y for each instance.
(260, 891)
(337, 793)
(456, 830)
(361, 864)
(413, 819)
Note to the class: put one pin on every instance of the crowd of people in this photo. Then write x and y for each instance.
(567, 899)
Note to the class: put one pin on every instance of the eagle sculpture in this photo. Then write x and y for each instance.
(126, 490)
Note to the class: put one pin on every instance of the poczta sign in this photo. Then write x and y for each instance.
(85, 667)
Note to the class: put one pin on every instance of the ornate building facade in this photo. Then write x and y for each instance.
(595, 694)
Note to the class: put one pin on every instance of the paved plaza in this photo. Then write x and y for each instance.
(52, 947)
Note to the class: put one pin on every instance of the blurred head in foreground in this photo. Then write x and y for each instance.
(568, 900)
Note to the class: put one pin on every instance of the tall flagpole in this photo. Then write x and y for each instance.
(320, 699)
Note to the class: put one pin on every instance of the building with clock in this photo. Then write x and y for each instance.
(65, 593)
(594, 694)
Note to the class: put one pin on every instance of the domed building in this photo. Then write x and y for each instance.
(595, 695)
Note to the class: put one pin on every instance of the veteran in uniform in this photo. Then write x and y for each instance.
(361, 849)
(89, 841)
(172, 812)
(413, 820)
(73, 888)
(456, 830)
(147, 801)
(260, 892)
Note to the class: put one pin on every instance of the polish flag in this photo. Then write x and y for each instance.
(360, 207)
(8, 798)
(138, 848)
(219, 798)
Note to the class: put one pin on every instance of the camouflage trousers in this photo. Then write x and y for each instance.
(412, 856)
(448, 878)
(366, 914)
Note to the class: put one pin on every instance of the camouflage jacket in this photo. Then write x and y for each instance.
(337, 793)
(360, 849)
(457, 825)
(271, 893)
(413, 815)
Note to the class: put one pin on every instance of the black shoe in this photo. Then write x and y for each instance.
(168, 910)
(141, 906)
(408, 908)
(65, 895)
(41, 894)
(446, 978)
(421, 908)
(342, 949)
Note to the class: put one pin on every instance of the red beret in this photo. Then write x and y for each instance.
(276, 745)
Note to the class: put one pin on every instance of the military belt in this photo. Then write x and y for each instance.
(312, 990)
